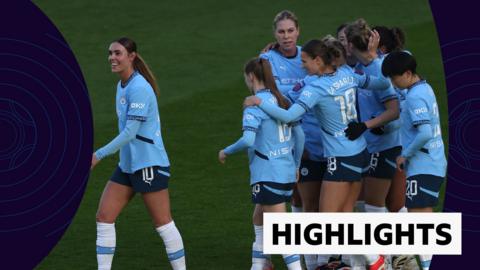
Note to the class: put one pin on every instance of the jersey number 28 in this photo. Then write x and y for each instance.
(347, 105)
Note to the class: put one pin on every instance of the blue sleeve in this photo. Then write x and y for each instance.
(246, 141)
(293, 113)
(299, 137)
(418, 111)
(371, 82)
(424, 134)
(251, 120)
(138, 102)
(127, 134)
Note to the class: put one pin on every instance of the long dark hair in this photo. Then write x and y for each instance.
(392, 38)
(329, 49)
(138, 63)
(261, 69)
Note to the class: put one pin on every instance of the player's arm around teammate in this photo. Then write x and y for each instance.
(273, 168)
(377, 111)
(144, 166)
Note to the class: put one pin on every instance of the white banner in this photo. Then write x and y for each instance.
(362, 233)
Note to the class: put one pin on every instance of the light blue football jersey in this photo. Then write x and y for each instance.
(421, 108)
(371, 105)
(287, 71)
(271, 157)
(137, 101)
(310, 124)
(332, 98)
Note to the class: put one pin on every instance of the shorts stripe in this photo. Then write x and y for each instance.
(279, 191)
(353, 168)
(391, 163)
(258, 254)
(291, 259)
(163, 172)
(429, 192)
(105, 250)
(176, 255)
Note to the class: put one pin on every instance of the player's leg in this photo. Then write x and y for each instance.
(291, 260)
(152, 182)
(296, 201)
(260, 261)
(114, 198)
(395, 201)
(273, 197)
(422, 196)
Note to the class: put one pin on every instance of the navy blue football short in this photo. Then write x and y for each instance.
(383, 164)
(311, 170)
(347, 169)
(144, 180)
(270, 193)
(423, 190)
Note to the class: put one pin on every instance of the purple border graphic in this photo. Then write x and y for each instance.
(46, 125)
(460, 44)
(46, 142)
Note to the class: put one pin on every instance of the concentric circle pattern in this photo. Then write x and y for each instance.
(460, 44)
(46, 141)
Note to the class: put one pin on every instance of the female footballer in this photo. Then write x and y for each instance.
(273, 167)
(285, 60)
(144, 165)
(423, 153)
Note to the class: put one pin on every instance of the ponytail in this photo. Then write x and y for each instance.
(270, 84)
(138, 63)
(261, 69)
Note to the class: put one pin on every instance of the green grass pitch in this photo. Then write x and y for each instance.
(197, 50)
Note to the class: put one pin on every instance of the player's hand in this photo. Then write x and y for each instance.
(95, 161)
(373, 42)
(269, 46)
(222, 156)
(297, 175)
(251, 101)
(401, 163)
(378, 130)
(355, 130)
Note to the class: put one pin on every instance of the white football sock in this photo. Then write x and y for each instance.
(310, 261)
(173, 244)
(425, 261)
(296, 209)
(375, 209)
(360, 206)
(106, 242)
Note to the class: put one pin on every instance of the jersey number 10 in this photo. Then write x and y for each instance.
(284, 132)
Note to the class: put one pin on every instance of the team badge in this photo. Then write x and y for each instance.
(304, 171)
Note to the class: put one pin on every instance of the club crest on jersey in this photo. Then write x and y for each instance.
(123, 101)
(298, 86)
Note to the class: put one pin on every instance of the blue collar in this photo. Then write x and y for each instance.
(263, 91)
(134, 74)
(421, 81)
